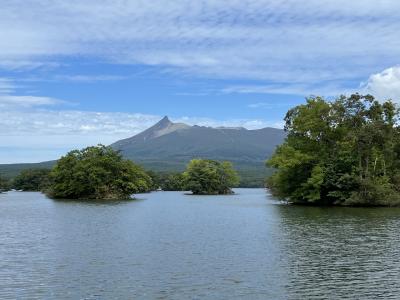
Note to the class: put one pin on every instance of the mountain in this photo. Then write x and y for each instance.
(169, 146)
(168, 143)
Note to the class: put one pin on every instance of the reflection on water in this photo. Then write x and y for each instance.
(341, 252)
(168, 245)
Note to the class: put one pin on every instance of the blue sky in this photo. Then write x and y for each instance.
(76, 73)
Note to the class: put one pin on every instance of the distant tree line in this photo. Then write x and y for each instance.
(167, 181)
(32, 180)
(99, 172)
(341, 152)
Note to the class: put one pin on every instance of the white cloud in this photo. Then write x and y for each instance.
(258, 105)
(384, 85)
(114, 124)
(7, 101)
(246, 123)
(274, 40)
(265, 105)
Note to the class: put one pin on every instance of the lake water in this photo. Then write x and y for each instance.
(168, 245)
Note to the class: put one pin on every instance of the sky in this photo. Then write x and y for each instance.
(77, 73)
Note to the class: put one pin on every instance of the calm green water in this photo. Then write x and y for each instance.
(172, 246)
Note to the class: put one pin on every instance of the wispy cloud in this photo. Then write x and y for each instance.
(266, 105)
(89, 78)
(6, 86)
(326, 89)
(7, 101)
(10, 100)
(277, 41)
(114, 124)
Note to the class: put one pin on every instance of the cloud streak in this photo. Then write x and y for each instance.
(114, 124)
(9, 100)
(278, 41)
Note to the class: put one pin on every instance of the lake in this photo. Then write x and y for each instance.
(168, 245)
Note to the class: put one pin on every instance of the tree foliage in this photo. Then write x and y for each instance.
(32, 180)
(209, 177)
(343, 152)
(174, 182)
(4, 184)
(167, 181)
(97, 172)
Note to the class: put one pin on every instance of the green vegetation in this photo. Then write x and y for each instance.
(97, 173)
(167, 181)
(32, 180)
(4, 184)
(252, 174)
(174, 182)
(209, 177)
(344, 152)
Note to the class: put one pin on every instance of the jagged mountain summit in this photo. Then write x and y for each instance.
(163, 127)
(168, 145)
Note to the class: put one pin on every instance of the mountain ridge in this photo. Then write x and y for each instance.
(170, 139)
(247, 149)
(168, 147)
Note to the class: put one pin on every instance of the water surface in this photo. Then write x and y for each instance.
(168, 245)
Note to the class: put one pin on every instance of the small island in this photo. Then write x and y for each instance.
(97, 172)
(210, 177)
(342, 152)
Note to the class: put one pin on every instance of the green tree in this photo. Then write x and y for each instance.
(209, 177)
(32, 180)
(167, 181)
(343, 152)
(97, 172)
(174, 182)
(4, 184)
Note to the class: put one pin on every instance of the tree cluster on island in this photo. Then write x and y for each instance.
(99, 172)
(341, 152)
(210, 177)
